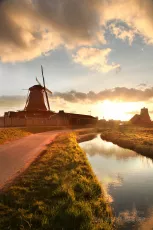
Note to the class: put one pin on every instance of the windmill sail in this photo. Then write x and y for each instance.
(45, 88)
(27, 101)
(49, 91)
(42, 86)
(38, 81)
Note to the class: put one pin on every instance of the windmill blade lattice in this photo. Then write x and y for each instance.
(45, 88)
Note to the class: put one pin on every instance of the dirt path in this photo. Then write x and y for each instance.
(17, 155)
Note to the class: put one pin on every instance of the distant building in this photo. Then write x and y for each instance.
(142, 118)
(77, 119)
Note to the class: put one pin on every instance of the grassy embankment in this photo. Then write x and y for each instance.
(138, 139)
(58, 191)
(11, 134)
(86, 134)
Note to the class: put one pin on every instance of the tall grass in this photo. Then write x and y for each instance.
(58, 191)
(9, 134)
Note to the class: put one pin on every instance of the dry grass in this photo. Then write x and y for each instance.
(9, 134)
(138, 139)
(58, 191)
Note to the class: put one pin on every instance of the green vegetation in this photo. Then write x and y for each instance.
(10, 134)
(136, 138)
(58, 191)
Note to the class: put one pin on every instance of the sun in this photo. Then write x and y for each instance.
(118, 110)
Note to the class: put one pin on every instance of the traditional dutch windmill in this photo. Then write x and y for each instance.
(37, 96)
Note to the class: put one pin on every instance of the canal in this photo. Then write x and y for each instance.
(127, 178)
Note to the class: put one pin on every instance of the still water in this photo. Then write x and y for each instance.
(128, 180)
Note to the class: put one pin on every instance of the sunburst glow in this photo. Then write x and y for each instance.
(118, 110)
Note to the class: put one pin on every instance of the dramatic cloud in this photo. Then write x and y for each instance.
(116, 94)
(137, 14)
(29, 28)
(122, 33)
(120, 94)
(96, 59)
(21, 36)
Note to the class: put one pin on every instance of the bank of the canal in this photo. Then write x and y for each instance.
(128, 180)
(138, 139)
(58, 191)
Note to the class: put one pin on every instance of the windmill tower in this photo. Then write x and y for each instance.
(37, 103)
(37, 96)
(36, 99)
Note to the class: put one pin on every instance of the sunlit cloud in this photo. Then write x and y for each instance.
(128, 217)
(29, 28)
(124, 102)
(109, 151)
(137, 14)
(122, 33)
(96, 59)
(134, 216)
(147, 222)
(118, 94)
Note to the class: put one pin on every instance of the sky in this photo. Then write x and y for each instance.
(97, 55)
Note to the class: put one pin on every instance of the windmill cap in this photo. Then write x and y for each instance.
(36, 87)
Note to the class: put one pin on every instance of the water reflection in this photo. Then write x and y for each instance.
(147, 223)
(107, 149)
(128, 178)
